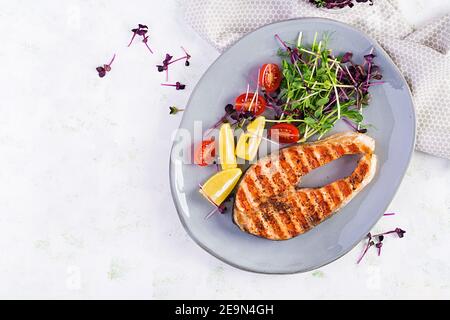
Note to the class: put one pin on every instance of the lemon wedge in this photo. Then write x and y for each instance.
(248, 143)
(226, 147)
(220, 185)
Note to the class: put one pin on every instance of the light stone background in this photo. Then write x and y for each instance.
(85, 206)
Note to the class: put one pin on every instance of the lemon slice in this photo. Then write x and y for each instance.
(257, 126)
(220, 185)
(226, 147)
(248, 143)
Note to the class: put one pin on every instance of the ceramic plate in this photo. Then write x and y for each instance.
(390, 112)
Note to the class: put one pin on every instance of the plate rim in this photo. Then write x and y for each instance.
(397, 183)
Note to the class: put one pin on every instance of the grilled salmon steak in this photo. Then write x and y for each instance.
(268, 202)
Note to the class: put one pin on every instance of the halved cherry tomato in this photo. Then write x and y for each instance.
(270, 77)
(205, 152)
(257, 107)
(284, 133)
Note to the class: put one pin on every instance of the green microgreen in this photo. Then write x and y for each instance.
(318, 88)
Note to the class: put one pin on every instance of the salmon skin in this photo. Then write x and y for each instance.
(268, 202)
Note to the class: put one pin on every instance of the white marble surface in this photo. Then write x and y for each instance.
(85, 206)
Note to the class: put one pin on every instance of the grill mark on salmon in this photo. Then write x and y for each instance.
(266, 209)
(264, 180)
(250, 214)
(271, 206)
(311, 157)
(345, 189)
(291, 175)
(339, 150)
(324, 206)
(297, 156)
(298, 218)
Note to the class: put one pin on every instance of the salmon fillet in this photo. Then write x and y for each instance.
(268, 202)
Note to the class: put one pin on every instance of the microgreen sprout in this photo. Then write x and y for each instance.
(217, 208)
(168, 61)
(141, 30)
(102, 70)
(165, 65)
(233, 117)
(370, 243)
(177, 85)
(377, 240)
(318, 88)
(187, 56)
(174, 110)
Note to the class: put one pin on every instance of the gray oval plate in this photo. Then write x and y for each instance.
(391, 113)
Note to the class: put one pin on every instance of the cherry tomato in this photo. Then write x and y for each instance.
(270, 77)
(205, 152)
(257, 107)
(284, 133)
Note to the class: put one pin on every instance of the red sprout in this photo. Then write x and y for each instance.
(282, 42)
(141, 30)
(168, 60)
(145, 40)
(366, 248)
(378, 246)
(188, 56)
(102, 70)
(218, 208)
(379, 237)
(177, 85)
(400, 233)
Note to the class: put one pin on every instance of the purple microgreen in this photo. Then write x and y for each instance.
(282, 42)
(376, 83)
(175, 110)
(353, 126)
(400, 232)
(141, 31)
(379, 238)
(102, 70)
(397, 231)
(389, 214)
(177, 85)
(218, 208)
(376, 72)
(229, 108)
(168, 61)
(369, 243)
(134, 36)
(378, 246)
(145, 41)
(221, 209)
(369, 57)
(347, 57)
(294, 54)
(188, 56)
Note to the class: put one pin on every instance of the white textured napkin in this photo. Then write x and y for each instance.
(422, 55)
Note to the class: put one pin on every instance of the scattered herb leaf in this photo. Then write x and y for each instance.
(177, 85)
(141, 30)
(175, 110)
(102, 70)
